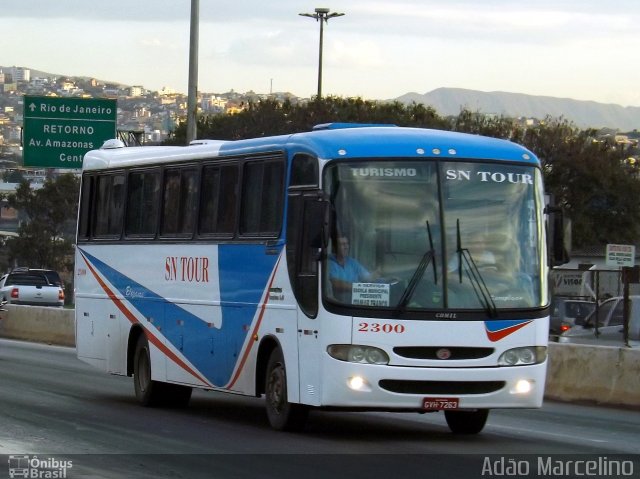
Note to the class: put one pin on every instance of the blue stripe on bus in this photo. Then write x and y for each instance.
(500, 325)
(214, 352)
(497, 330)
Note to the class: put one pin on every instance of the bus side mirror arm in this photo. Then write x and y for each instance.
(326, 215)
(559, 235)
(319, 220)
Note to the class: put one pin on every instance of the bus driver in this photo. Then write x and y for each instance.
(345, 270)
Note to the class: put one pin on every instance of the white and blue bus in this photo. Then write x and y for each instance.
(221, 265)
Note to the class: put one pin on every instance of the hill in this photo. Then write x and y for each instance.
(449, 101)
(584, 114)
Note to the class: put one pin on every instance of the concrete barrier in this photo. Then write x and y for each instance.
(601, 374)
(40, 324)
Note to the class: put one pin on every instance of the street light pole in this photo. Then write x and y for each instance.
(321, 15)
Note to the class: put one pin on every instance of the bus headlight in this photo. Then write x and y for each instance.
(354, 353)
(523, 356)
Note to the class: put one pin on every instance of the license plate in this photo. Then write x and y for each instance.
(438, 404)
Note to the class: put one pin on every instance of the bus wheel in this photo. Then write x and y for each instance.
(282, 414)
(155, 393)
(147, 391)
(466, 422)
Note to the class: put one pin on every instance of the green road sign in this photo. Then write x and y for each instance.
(59, 131)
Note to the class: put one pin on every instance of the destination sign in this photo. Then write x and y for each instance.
(59, 131)
(620, 255)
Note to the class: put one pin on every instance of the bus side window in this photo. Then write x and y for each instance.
(86, 204)
(170, 203)
(262, 191)
(218, 200)
(304, 171)
(179, 201)
(142, 203)
(107, 215)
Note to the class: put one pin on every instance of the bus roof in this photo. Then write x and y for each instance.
(327, 143)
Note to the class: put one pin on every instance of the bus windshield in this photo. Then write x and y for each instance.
(433, 234)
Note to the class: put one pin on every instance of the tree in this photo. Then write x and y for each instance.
(269, 117)
(590, 181)
(46, 235)
(478, 124)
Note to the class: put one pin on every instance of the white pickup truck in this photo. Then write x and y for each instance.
(35, 287)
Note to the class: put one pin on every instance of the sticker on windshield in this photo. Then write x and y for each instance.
(370, 294)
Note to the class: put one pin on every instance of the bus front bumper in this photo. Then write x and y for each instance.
(385, 387)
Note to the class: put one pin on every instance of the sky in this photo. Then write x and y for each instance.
(380, 49)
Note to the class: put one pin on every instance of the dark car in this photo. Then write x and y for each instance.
(568, 312)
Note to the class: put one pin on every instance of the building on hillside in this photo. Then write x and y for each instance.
(9, 87)
(21, 74)
(166, 91)
(136, 90)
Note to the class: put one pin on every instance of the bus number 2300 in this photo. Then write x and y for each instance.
(380, 328)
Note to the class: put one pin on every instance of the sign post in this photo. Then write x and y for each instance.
(623, 255)
(59, 131)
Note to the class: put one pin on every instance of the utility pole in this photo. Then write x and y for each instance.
(192, 98)
(321, 15)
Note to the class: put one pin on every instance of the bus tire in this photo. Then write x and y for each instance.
(466, 422)
(148, 392)
(283, 415)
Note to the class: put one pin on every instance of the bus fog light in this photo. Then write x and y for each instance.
(356, 383)
(523, 386)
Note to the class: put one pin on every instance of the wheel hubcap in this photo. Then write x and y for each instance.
(276, 389)
(143, 372)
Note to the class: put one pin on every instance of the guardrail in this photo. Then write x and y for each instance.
(601, 374)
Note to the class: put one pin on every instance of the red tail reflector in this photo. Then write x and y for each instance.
(15, 293)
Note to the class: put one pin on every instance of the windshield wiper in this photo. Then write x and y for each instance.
(475, 278)
(427, 258)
